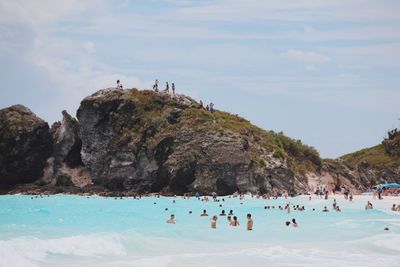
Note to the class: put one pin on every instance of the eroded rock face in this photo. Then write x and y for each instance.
(141, 141)
(67, 166)
(25, 145)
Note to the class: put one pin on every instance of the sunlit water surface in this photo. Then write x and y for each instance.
(65, 230)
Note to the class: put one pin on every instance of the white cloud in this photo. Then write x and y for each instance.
(309, 57)
(311, 68)
(89, 47)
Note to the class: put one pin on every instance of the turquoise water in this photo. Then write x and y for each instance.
(65, 230)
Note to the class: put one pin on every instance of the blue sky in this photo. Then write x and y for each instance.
(326, 72)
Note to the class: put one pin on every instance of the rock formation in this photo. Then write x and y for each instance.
(66, 167)
(128, 141)
(25, 144)
(147, 142)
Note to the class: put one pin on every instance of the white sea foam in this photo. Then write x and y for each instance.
(30, 251)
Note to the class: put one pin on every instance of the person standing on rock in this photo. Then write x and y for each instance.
(166, 87)
(212, 107)
(173, 88)
(201, 104)
(207, 108)
(155, 86)
(119, 85)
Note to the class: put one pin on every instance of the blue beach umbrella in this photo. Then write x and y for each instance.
(390, 185)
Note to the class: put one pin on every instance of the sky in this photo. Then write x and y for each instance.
(325, 72)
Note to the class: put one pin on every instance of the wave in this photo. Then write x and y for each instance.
(31, 251)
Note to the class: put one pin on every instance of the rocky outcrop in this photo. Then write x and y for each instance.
(130, 141)
(65, 167)
(392, 143)
(25, 145)
(147, 142)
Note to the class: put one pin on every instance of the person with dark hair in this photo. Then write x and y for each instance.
(155, 86)
(214, 222)
(166, 87)
(230, 212)
(325, 209)
(234, 222)
(222, 213)
(294, 223)
(173, 88)
(119, 84)
(287, 223)
(171, 220)
(249, 222)
(204, 213)
(212, 107)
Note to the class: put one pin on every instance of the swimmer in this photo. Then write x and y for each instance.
(190, 212)
(229, 218)
(386, 228)
(325, 209)
(171, 220)
(222, 213)
(166, 209)
(204, 213)
(234, 222)
(249, 222)
(294, 223)
(394, 207)
(368, 206)
(287, 223)
(230, 212)
(338, 209)
(214, 222)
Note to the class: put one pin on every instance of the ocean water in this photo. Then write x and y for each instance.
(64, 230)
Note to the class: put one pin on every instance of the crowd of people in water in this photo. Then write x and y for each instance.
(233, 221)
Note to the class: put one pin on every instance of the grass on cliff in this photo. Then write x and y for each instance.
(301, 158)
(375, 156)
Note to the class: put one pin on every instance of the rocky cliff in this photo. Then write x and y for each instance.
(147, 142)
(25, 145)
(140, 141)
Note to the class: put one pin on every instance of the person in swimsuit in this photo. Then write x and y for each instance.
(171, 220)
(234, 222)
(214, 222)
(249, 222)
